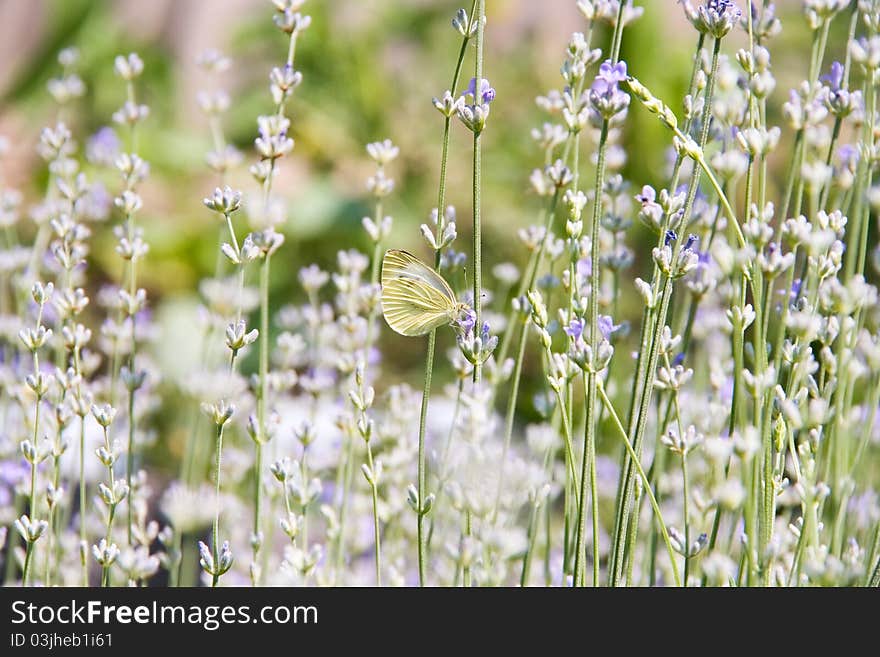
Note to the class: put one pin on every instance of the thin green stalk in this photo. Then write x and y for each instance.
(105, 570)
(591, 377)
(686, 512)
(638, 421)
(422, 483)
(82, 496)
(633, 533)
(375, 496)
(477, 173)
(874, 578)
(27, 563)
(511, 409)
(343, 477)
(444, 458)
(625, 505)
(432, 337)
(216, 527)
(129, 457)
(618, 32)
(658, 515)
(532, 532)
(263, 391)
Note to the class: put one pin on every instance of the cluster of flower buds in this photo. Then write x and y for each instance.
(473, 110)
(607, 99)
(715, 18)
(217, 567)
(475, 346)
(444, 232)
(680, 264)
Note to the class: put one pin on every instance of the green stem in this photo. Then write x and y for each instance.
(27, 563)
(422, 483)
(618, 32)
(532, 533)
(432, 338)
(263, 392)
(686, 511)
(511, 411)
(658, 515)
(216, 527)
(82, 496)
(375, 496)
(591, 379)
(478, 237)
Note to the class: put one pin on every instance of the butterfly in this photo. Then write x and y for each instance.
(416, 299)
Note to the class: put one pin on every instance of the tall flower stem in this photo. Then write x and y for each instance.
(374, 494)
(617, 38)
(132, 290)
(534, 522)
(28, 555)
(29, 550)
(82, 498)
(33, 460)
(639, 418)
(658, 515)
(511, 409)
(432, 336)
(216, 527)
(263, 377)
(477, 183)
(686, 512)
(591, 378)
(422, 476)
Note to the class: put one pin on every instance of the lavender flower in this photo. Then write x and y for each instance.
(834, 78)
(103, 147)
(715, 18)
(486, 92)
(607, 326)
(467, 321)
(575, 329)
(474, 114)
(839, 101)
(606, 97)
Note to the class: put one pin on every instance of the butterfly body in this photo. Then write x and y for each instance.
(415, 298)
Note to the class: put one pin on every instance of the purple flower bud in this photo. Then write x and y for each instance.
(486, 93)
(584, 267)
(606, 97)
(467, 321)
(795, 290)
(607, 326)
(691, 240)
(834, 79)
(575, 329)
(849, 156)
(648, 195)
(670, 237)
(103, 147)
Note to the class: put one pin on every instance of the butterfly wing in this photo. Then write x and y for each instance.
(415, 298)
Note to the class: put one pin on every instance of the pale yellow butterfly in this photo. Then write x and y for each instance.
(415, 299)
